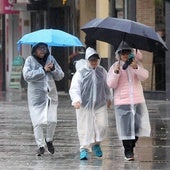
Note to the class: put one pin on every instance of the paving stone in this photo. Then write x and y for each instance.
(17, 144)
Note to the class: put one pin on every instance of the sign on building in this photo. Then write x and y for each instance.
(6, 7)
(16, 73)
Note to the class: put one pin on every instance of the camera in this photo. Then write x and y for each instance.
(129, 61)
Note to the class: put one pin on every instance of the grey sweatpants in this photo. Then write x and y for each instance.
(39, 133)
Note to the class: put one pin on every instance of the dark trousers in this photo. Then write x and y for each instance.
(129, 144)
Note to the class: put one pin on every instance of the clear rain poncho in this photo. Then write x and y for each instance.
(132, 117)
(42, 92)
(89, 87)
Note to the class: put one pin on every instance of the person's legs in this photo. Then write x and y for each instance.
(39, 138)
(49, 136)
(135, 140)
(101, 125)
(84, 152)
(97, 149)
(128, 149)
(50, 131)
(83, 133)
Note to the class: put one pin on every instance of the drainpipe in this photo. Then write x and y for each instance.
(167, 18)
(130, 10)
(112, 13)
(3, 55)
(125, 9)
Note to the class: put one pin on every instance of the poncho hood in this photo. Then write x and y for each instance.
(90, 52)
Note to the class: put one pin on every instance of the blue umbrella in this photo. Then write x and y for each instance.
(52, 37)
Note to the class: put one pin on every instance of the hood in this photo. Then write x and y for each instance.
(90, 52)
(123, 46)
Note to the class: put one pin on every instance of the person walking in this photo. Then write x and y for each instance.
(132, 117)
(90, 97)
(41, 71)
(73, 58)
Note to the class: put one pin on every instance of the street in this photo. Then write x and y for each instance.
(18, 148)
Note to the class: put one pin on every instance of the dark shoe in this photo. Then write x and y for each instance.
(129, 156)
(128, 146)
(97, 150)
(50, 146)
(40, 151)
(84, 155)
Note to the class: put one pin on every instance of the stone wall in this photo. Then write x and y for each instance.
(145, 13)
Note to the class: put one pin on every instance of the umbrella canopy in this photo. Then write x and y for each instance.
(51, 37)
(114, 30)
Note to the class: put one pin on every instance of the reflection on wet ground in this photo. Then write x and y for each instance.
(17, 145)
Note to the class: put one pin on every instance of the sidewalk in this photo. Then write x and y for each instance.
(17, 144)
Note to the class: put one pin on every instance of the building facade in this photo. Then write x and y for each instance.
(152, 13)
(70, 16)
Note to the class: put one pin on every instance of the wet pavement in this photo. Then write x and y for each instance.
(17, 144)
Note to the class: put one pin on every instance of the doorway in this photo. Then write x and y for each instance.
(59, 18)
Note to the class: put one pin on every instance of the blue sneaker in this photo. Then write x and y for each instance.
(97, 150)
(84, 155)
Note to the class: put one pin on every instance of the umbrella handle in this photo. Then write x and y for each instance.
(49, 48)
(117, 71)
(19, 49)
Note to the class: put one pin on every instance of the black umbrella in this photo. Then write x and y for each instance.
(114, 30)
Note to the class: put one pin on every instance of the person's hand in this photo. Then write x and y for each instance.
(76, 105)
(109, 103)
(49, 67)
(117, 69)
(134, 64)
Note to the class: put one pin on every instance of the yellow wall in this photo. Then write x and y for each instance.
(90, 9)
(102, 11)
(87, 13)
(145, 13)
